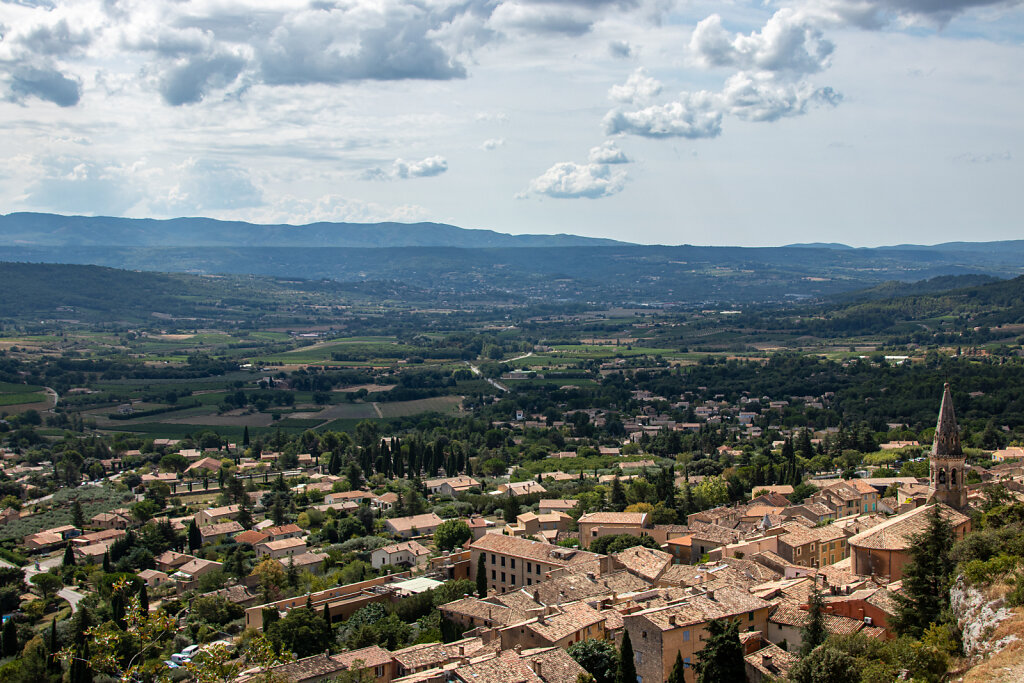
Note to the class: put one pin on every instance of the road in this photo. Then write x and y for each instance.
(72, 596)
(476, 371)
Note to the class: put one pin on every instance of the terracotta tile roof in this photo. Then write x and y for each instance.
(572, 619)
(284, 544)
(558, 503)
(496, 613)
(553, 665)
(699, 609)
(301, 560)
(220, 529)
(507, 667)
(789, 615)
(370, 656)
(637, 518)
(317, 666)
(716, 534)
(420, 522)
(883, 599)
(252, 537)
(646, 563)
(896, 533)
(798, 534)
(520, 600)
(772, 661)
(283, 529)
(410, 546)
(532, 550)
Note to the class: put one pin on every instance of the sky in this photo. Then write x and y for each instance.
(866, 122)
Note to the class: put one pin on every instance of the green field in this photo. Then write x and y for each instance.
(438, 404)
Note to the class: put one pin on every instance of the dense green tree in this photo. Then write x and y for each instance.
(617, 497)
(598, 657)
(825, 665)
(813, 632)
(77, 516)
(451, 534)
(195, 539)
(678, 673)
(481, 576)
(607, 545)
(69, 556)
(926, 578)
(9, 635)
(302, 631)
(721, 659)
(625, 671)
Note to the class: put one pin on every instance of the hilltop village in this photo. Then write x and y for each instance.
(407, 564)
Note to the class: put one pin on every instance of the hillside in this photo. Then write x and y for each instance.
(50, 230)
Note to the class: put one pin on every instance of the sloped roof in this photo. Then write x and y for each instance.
(896, 533)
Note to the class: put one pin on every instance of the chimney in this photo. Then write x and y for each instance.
(672, 620)
(766, 660)
(462, 650)
(518, 648)
(711, 595)
(540, 618)
(536, 596)
(537, 668)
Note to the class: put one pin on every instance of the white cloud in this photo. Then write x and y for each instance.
(608, 153)
(637, 89)
(492, 144)
(789, 41)
(759, 96)
(570, 180)
(875, 14)
(694, 115)
(402, 169)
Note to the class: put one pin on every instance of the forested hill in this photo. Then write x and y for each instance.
(993, 304)
(51, 230)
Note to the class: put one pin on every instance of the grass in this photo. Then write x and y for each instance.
(18, 399)
(438, 404)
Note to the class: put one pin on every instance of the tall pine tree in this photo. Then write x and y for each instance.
(926, 578)
(813, 632)
(722, 656)
(626, 670)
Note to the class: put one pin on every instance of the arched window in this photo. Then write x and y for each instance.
(942, 477)
(952, 477)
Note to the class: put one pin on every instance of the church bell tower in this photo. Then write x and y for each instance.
(946, 476)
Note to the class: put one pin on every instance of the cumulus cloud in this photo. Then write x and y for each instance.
(694, 115)
(875, 14)
(570, 180)
(638, 88)
(981, 157)
(83, 186)
(789, 41)
(402, 169)
(608, 153)
(189, 81)
(492, 144)
(759, 96)
(44, 82)
(208, 185)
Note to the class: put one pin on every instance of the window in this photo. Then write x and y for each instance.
(686, 636)
(502, 560)
(594, 533)
(538, 568)
(750, 616)
(643, 634)
(529, 567)
(503, 577)
(529, 582)
(513, 563)
(686, 662)
(494, 575)
(493, 560)
(639, 657)
(379, 671)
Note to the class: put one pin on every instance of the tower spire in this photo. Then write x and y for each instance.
(947, 434)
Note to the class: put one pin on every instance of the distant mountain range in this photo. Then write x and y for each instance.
(455, 264)
(50, 230)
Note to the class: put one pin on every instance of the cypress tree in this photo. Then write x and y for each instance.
(626, 670)
(195, 539)
(106, 561)
(813, 633)
(144, 599)
(77, 516)
(52, 661)
(327, 613)
(678, 673)
(69, 556)
(722, 656)
(245, 437)
(481, 576)
(926, 578)
(79, 671)
(9, 647)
